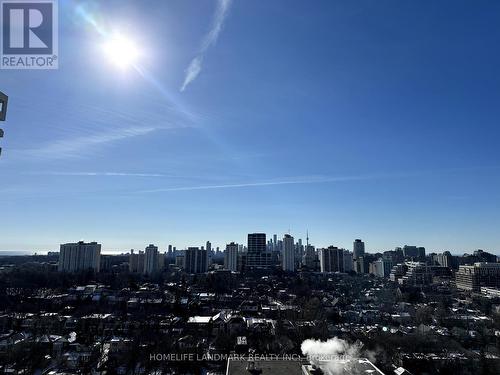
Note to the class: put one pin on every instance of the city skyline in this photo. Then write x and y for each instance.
(372, 121)
(297, 241)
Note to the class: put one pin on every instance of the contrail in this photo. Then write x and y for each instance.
(194, 68)
(105, 174)
(257, 184)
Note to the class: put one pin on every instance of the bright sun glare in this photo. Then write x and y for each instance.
(121, 51)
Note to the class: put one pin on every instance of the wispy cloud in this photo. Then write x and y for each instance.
(210, 39)
(90, 127)
(75, 146)
(293, 181)
(97, 174)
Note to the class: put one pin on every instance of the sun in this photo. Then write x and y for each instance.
(121, 51)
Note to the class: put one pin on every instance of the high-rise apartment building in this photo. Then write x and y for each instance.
(331, 259)
(136, 262)
(445, 259)
(288, 256)
(358, 249)
(414, 252)
(151, 261)
(179, 260)
(299, 251)
(348, 263)
(360, 265)
(310, 258)
(381, 267)
(256, 243)
(195, 260)
(257, 256)
(231, 257)
(79, 256)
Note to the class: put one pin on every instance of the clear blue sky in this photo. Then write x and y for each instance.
(354, 119)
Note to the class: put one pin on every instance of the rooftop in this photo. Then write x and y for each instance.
(359, 366)
(265, 367)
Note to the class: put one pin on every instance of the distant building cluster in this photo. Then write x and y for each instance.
(408, 265)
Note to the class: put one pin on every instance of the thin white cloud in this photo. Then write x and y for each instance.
(78, 130)
(104, 174)
(210, 39)
(305, 180)
(80, 144)
(74, 147)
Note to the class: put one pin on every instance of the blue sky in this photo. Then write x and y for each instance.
(353, 119)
